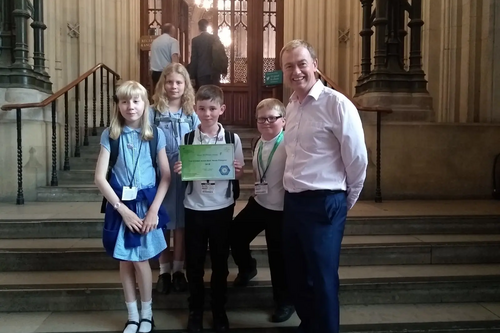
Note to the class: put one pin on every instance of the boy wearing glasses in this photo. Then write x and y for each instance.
(264, 210)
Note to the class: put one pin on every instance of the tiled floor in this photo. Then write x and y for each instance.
(112, 321)
(91, 210)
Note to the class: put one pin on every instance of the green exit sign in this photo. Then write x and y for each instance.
(273, 78)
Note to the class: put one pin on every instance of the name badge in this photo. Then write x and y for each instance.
(261, 188)
(129, 193)
(208, 188)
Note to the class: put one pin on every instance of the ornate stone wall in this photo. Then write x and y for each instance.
(82, 33)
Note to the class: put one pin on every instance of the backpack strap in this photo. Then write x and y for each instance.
(153, 150)
(254, 144)
(229, 138)
(156, 119)
(191, 122)
(114, 148)
(188, 140)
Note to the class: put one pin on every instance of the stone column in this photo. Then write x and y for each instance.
(21, 15)
(6, 36)
(39, 45)
(366, 33)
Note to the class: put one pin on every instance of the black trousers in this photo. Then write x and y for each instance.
(207, 228)
(251, 221)
(155, 77)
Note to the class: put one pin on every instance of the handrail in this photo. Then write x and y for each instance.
(356, 103)
(379, 111)
(60, 92)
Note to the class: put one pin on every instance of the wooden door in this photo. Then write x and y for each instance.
(252, 32)
(154, 14)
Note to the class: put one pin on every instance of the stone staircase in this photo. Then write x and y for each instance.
(398, 274)
(77, 184)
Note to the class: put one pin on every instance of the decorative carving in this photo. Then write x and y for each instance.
(30, 7)
(344, 35)
(74, 30)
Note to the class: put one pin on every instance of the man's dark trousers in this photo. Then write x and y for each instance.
(312, 237)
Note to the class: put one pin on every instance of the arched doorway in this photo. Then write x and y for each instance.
(252, 32)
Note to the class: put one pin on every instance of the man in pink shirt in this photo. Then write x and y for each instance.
(324, 173)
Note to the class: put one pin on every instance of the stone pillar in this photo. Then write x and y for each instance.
(21, 15)
(6, 36)
(39, 45)
(366, 33)
(389, 84)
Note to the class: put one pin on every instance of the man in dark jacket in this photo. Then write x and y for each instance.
(201, 67)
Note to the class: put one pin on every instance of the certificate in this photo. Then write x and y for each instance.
(207, 162)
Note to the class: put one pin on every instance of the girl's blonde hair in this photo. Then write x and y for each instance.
(126, 91)
(160, 99)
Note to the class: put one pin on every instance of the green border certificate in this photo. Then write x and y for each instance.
(207, 162)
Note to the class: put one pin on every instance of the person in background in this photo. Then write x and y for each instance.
(164, 51)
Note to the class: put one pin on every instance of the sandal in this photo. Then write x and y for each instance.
(131, 322)
(152, 322)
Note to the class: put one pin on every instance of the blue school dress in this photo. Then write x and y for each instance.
(174, 125)
(118, 240)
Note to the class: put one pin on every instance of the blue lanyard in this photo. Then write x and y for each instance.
(136, 162)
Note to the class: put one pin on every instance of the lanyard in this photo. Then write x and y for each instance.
(260, 163)
(136, 162)
(216, 137)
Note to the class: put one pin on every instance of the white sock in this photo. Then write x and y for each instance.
(178, 266)
(133, 315)
(146, 313)
(165, 268)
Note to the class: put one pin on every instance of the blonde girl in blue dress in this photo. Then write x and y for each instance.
(173, 113)
(134, 215)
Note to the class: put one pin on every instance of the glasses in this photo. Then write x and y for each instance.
(270, 119)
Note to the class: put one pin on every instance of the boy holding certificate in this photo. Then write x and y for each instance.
(264, 210)
(209, 208)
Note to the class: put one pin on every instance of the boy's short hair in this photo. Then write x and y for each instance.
(271, 104)
(210, 92)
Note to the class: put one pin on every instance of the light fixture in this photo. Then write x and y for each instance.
(205, 4)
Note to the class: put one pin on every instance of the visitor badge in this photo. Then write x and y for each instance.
(261, 188)
(208, 188)
(129, 193)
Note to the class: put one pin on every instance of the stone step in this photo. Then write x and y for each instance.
(86, 176)
(38, 227)
(394, 318)
(87, 253)
(361, 285)
(86, 191)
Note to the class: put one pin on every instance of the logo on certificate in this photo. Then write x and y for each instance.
(224, 170)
